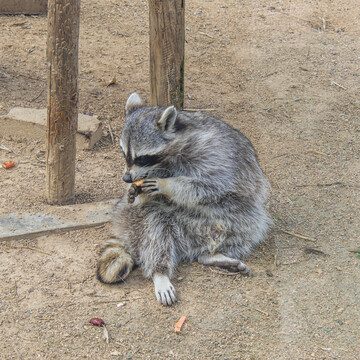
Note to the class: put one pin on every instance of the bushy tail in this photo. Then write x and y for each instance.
(115, 263)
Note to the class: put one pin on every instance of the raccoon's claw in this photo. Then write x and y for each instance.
(164, 291)
(133, 193)
(166, 297)
(150, 186)
(244, 269)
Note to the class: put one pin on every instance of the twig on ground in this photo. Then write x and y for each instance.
(106, 334)
(276, 262)
(199, 109)
(30, 248)
(202, 33)
(2, 147)
(324, 23)
(18, 24)
(317, 152)
(227, 273)
(291, 263)
(116, 301)
(314, 251)
(261, 312)
(111, 134)
(15, 288)
(69, 287)
(299, 236)
(336, 183)
(35, 249)
(340, 86)
(35, 98)
(295, 17)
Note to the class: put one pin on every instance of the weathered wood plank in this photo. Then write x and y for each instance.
(26, 7)
(30, 226)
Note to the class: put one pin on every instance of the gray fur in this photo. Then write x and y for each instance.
(207, 194)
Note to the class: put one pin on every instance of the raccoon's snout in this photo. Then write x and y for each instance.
(127, 177)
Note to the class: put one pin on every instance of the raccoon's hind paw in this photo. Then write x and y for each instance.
(244, 269)
(225, 262)
(164, 291)
(114, 265)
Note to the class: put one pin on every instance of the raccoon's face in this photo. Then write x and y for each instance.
(145, 138)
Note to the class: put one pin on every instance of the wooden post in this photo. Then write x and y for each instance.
(62, 112)
(167, 43)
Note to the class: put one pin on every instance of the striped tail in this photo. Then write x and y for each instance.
(115, 263)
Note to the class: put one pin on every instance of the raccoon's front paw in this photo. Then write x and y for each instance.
(133, 192)
(150, 186)
(164, 291)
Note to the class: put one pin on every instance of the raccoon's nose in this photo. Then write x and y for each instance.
(127, 177)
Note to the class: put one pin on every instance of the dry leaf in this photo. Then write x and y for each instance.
(106, 334)
(112, 82)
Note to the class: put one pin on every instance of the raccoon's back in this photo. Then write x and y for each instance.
(211, 148)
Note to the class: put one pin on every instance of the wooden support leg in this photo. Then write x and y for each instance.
(167, 40)
(62, 58)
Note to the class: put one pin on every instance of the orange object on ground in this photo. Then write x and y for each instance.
(180, 324)
(8, 164)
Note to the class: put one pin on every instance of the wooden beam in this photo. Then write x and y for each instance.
(62, 111)
(28, 7)
(81, 216)
(167, 44)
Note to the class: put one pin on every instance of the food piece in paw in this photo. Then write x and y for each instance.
(138, 183)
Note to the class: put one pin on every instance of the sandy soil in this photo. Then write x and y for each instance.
(286, 73)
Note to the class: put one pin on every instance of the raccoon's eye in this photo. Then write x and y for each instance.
(147, 160)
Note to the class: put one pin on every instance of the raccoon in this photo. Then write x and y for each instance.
(203, 197)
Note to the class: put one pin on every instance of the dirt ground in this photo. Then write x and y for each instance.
(286, 73)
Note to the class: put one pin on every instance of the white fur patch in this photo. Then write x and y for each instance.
(122, 146)
(164, 291)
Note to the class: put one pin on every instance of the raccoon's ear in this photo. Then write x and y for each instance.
(167, 119)
(133, 102)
